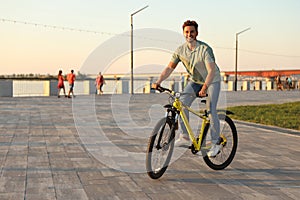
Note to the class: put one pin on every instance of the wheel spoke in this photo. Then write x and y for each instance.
(160, 149)
(229, 137)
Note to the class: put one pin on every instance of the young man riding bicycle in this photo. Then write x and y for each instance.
(199, 61)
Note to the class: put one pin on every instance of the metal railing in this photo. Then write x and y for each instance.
(19, 88)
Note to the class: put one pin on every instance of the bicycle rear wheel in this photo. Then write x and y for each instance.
(160, 148)
(229, 137)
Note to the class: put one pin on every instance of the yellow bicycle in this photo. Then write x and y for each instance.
(161, 141)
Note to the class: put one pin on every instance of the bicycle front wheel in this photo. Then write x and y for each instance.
(229, 142)
(160, 148)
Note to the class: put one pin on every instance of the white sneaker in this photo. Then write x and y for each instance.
(182, 141)
(215, 149)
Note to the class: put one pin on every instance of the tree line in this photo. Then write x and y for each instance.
(31, 76)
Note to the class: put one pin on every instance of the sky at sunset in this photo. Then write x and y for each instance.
(63, 34)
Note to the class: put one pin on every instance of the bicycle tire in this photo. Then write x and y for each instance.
(165, 127)
(226, 155)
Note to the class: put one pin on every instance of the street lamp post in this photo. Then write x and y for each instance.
(236, 56)
(131, 36)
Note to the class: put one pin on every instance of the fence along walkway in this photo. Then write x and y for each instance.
(17, 88)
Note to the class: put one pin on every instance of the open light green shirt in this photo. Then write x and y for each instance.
(195, 61)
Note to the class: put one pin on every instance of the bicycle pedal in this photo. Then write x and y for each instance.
(220, 140)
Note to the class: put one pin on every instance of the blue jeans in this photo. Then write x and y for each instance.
(213, 92)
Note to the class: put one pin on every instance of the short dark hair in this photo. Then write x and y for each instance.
(190, 23)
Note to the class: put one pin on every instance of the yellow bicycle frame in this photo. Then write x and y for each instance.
(179, 106)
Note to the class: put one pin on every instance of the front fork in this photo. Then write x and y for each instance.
(173, 116)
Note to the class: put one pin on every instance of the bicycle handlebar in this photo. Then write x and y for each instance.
(162, 89)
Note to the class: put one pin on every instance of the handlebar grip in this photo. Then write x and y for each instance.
(161, 89)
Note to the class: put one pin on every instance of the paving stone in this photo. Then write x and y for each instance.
(44, 156)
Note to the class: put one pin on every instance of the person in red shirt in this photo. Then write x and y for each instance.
(71, 79)
(99, 83)
(60, 84)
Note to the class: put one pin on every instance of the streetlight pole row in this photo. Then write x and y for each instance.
(131, 45)
(236, 56)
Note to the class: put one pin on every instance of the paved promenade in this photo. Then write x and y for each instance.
(93, 148)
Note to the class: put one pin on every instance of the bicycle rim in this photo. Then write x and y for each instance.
(159, 154)
(229, 134)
